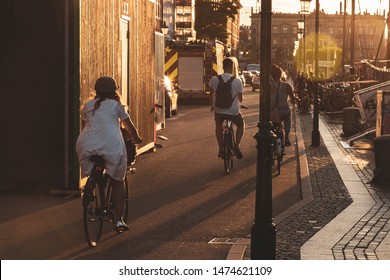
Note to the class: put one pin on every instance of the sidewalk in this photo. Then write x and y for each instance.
(342, 216)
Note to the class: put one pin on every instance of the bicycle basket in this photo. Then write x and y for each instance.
(131, 148)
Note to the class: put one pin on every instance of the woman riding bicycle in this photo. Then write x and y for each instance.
(280, 91)
(101, 121)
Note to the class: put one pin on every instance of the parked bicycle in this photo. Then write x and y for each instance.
(228, 143)
(334, 98)
(278, 144)
(302, 100)
(96, 202)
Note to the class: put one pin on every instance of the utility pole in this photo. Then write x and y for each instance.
(263, 232)
(388, 37)
(315, 134)
(352, 58)
(344, 36)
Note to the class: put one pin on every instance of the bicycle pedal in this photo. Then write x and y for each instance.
(120, 226)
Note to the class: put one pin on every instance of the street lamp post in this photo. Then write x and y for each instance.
(315, 135)
(263, 232)
(300, 39)
(305, 5)
(302, 34)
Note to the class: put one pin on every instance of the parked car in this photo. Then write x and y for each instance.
(256, 81)
(242, 78)
(248, 77)
(171, 97)
(251, 67)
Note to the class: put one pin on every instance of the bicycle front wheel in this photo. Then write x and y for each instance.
(93, 212)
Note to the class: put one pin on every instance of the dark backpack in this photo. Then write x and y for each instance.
(223, 94)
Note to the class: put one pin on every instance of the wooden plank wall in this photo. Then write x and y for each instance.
(100, 54)
(142, 63)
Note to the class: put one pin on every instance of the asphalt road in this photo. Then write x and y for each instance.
(180, 200)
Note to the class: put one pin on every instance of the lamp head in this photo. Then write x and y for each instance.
(305, 5)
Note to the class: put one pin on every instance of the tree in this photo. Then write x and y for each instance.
(211, 18)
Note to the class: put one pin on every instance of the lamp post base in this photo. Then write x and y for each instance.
(315, 138)
(263, 241)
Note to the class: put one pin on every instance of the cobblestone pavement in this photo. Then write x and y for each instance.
(330, 197)
(329, 193)
(362, 240)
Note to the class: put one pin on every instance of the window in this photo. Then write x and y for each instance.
(285, 41)
(361, 31)
(295, 30)
(284, 30)
(275, 41)
(183, 2)
(331, 30)
(184, 10)
(275, 30)
(159, 10)
(371, 43)
(183, 24)
(371, 32)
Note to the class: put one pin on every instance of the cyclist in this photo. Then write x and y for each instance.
(233, 113)
(101, 121)
(281, 91)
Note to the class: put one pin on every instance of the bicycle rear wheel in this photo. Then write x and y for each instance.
(227, 152)
(126, 201)
(93, 212)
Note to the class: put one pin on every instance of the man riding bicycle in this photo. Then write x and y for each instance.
(233, 112)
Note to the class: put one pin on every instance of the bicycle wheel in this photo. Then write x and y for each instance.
(126, 202)
(93, 212)
(227, 152)
(280, 149)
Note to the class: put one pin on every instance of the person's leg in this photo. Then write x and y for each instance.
(117, 199)
(287, 127)
(239, 122)
(218, 132)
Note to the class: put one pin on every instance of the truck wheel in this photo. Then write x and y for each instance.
(175, 112)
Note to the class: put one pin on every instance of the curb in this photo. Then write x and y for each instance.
(237, 250)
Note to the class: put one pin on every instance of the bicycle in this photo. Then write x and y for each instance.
(278, 144)
(96, 202)
(228, 143)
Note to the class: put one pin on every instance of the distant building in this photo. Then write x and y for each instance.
(179, 16)
(333, 53)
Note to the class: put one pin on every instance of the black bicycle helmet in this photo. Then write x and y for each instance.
(106, 84)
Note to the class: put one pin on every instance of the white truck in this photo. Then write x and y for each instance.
(192, 65)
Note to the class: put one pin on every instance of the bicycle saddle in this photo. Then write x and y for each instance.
(96, 158)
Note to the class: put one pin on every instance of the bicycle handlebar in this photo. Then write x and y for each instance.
(242, 106)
